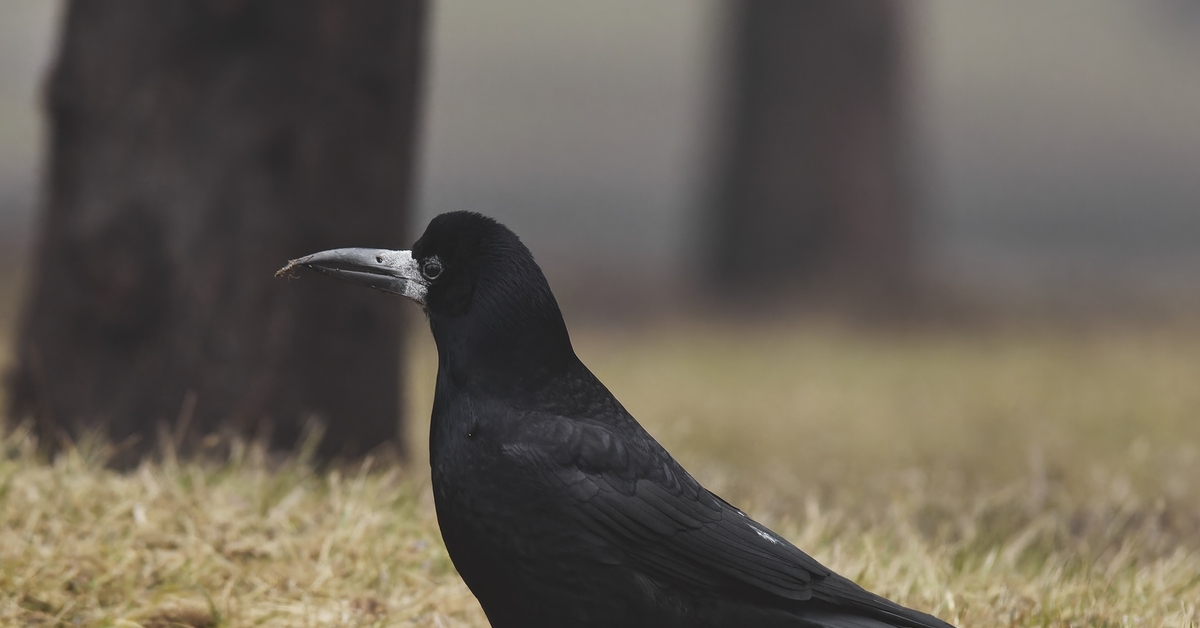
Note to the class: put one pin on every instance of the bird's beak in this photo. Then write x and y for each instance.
(390, 271)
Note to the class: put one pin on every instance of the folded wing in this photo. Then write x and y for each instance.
(664, 523)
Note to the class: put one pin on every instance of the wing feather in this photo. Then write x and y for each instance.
(664, 523)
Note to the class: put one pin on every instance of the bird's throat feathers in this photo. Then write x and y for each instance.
(513, 335)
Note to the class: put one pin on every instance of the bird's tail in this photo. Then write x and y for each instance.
(840, 620)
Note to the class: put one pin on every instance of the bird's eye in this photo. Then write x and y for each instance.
(431, 269)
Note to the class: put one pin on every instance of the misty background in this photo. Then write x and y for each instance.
(1056, 145)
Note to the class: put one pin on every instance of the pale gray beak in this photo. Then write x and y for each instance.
(390, 271)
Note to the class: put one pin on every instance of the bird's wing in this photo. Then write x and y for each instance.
(662, 519)
(633, 496)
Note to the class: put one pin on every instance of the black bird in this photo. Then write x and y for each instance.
(558, 509)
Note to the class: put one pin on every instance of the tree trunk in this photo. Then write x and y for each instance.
(197, 145)
(811, 189)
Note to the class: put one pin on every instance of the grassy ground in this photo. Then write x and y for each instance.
(1009, 478)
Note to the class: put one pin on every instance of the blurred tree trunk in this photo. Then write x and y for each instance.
(811, 192)
(196, 146)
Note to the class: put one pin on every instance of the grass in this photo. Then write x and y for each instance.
(1021, 477)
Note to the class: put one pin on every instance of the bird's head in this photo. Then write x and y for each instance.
(488, 301)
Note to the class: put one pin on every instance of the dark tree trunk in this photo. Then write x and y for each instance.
(811, 191)
(196, 146)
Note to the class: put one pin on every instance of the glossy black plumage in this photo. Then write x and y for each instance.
(557, 508)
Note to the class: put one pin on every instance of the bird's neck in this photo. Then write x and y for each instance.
(505, 356)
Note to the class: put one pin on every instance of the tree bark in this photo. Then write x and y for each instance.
(811, 189)
(196, 145)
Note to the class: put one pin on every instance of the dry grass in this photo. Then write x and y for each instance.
(1015, 478)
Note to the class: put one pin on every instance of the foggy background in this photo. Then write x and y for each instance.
(1056, 145)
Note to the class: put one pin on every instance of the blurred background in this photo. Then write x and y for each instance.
(1053, 146)
(660, 158)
